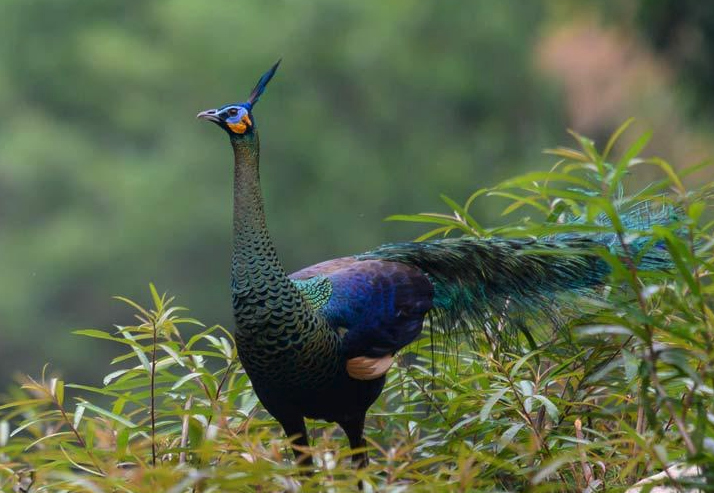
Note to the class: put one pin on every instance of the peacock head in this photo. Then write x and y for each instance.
(237, 118)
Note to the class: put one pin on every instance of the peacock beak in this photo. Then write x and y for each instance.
(210, 115)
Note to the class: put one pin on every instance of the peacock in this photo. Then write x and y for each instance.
(318, 343)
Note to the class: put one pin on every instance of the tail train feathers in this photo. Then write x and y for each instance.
(640, 218)
(493, 283)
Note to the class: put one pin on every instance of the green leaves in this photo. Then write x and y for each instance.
(623, 388)
(643, 353)
(108, 414)
(485, 412)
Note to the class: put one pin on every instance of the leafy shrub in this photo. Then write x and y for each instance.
(624, 389)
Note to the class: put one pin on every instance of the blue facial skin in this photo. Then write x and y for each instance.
(233, 113)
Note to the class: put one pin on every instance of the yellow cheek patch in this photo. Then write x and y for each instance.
(238, 128)
(241, 126)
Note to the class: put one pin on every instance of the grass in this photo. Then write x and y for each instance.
(621, 391)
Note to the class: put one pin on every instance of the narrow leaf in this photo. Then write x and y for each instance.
(108, 414)
(184, 379)
(78, 413)
(550, 408)
(488, 405)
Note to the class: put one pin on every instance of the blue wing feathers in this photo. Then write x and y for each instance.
(381, 304)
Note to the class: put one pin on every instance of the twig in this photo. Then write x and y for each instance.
(587, 470)
(193, 368)
(184, 429)
(568, 407)
(214, 403)
(541, 442)
(77, 435)
(214, 400)
(223, 380)
(431, 400)
(681, 427)
(152, 409)
(42, 388)
(651, 355)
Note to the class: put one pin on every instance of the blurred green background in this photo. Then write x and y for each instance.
(107, 182)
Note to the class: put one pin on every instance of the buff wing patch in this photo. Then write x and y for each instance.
(364, 368)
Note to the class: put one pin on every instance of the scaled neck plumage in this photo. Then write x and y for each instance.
(259, 281)
(254, 255)
(275, 326)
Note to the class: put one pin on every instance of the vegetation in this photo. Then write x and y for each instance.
(99, 129)
(622, 390)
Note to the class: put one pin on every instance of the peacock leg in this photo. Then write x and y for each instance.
(295, 429)
(354, 429)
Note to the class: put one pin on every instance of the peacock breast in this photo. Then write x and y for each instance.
(286, 351)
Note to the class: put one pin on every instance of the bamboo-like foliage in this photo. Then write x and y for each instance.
(624, 390)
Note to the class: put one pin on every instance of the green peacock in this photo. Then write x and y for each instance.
(318, 343)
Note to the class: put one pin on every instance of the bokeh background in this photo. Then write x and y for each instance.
(107, 182)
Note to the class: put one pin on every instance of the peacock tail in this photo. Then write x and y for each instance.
(637, 222)
(497, 285)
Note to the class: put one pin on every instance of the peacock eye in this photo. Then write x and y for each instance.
(232, 111)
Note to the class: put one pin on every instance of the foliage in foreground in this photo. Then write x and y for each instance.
(625, 390)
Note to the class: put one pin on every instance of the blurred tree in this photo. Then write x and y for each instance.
(107, 182)
(683, 31)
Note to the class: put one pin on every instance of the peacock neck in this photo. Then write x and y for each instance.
(254, 256)
(274, 323)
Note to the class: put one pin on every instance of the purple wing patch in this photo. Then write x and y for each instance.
(382, 304)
